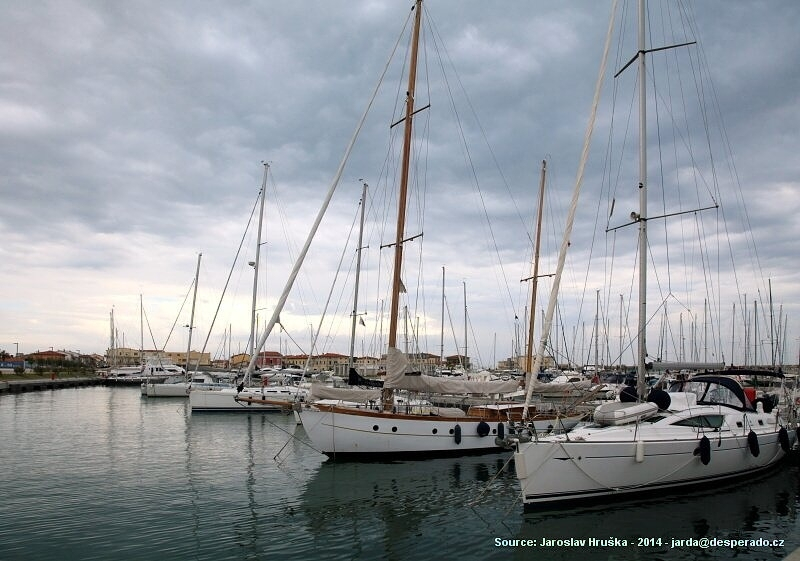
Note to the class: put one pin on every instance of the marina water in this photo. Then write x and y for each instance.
(103, 473)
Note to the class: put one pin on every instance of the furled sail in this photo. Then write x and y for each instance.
(397, 377)
(321, 391)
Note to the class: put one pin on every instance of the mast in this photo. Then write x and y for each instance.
(141, 331)
(621, 335)
(112, 341)
(388, 393)
(535, 277)
(256, 263)
(755, 333)
(441, 337)
(464, 365)
(642, 217)
(351, 360)
(771, 325)
(733, 332)
(191, 317)
(597, 333)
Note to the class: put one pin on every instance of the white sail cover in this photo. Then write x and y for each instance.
(560, 387)
(397, 378)
(321, 391)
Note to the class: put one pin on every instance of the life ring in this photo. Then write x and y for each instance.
(752, 443)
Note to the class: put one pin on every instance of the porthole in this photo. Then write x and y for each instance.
(394, 429)
(452, 431)
(374, 427)
(434, 431)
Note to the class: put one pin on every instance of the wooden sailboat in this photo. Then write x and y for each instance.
(342, 432)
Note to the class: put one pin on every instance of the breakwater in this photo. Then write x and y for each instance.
(40, 384)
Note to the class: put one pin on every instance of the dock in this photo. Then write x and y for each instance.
(40, 384)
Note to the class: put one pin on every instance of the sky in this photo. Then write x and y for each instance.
(133, 136)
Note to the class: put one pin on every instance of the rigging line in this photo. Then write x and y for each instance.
(321, 213)
(725, 139)
(656, 106)
(489, 483)
(709, 286)
(150, 330)
(475, 344)
(289, 335)
(470, 163)
(453, 332)
(619, 170)
(333, 285)
(185, 298)
(230, 274)
(292, 436)
(485, 137)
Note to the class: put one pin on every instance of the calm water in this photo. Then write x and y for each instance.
(102, 473)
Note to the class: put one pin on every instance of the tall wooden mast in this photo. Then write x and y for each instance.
(535, 277)
(403, 195)
(401, 202)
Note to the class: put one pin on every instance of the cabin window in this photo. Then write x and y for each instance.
(703, 421)
(712, 393)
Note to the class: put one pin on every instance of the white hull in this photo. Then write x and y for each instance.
(343, 431)
(180, 389)
(276, 398)
(602, 461)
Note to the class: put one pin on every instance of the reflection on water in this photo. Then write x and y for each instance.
(391, 509)
(762, 508)
(102, 473)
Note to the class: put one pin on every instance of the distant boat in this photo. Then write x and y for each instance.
(151, 371)
(179, 386)
(702, 431)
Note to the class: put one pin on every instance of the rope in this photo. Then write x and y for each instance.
(489, 483)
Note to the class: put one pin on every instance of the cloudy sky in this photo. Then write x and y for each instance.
(132, 137)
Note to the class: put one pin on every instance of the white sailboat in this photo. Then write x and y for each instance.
(246, 397)
(703, 430)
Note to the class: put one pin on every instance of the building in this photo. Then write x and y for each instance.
(124, 356)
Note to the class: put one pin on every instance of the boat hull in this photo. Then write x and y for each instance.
(559, 471)
(349, 433)
(248, 400)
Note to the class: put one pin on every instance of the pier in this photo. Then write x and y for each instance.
(39, 384)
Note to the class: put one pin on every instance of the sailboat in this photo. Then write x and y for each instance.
(703, 430)
(388, 430)
(180, 384)
(246, 397)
